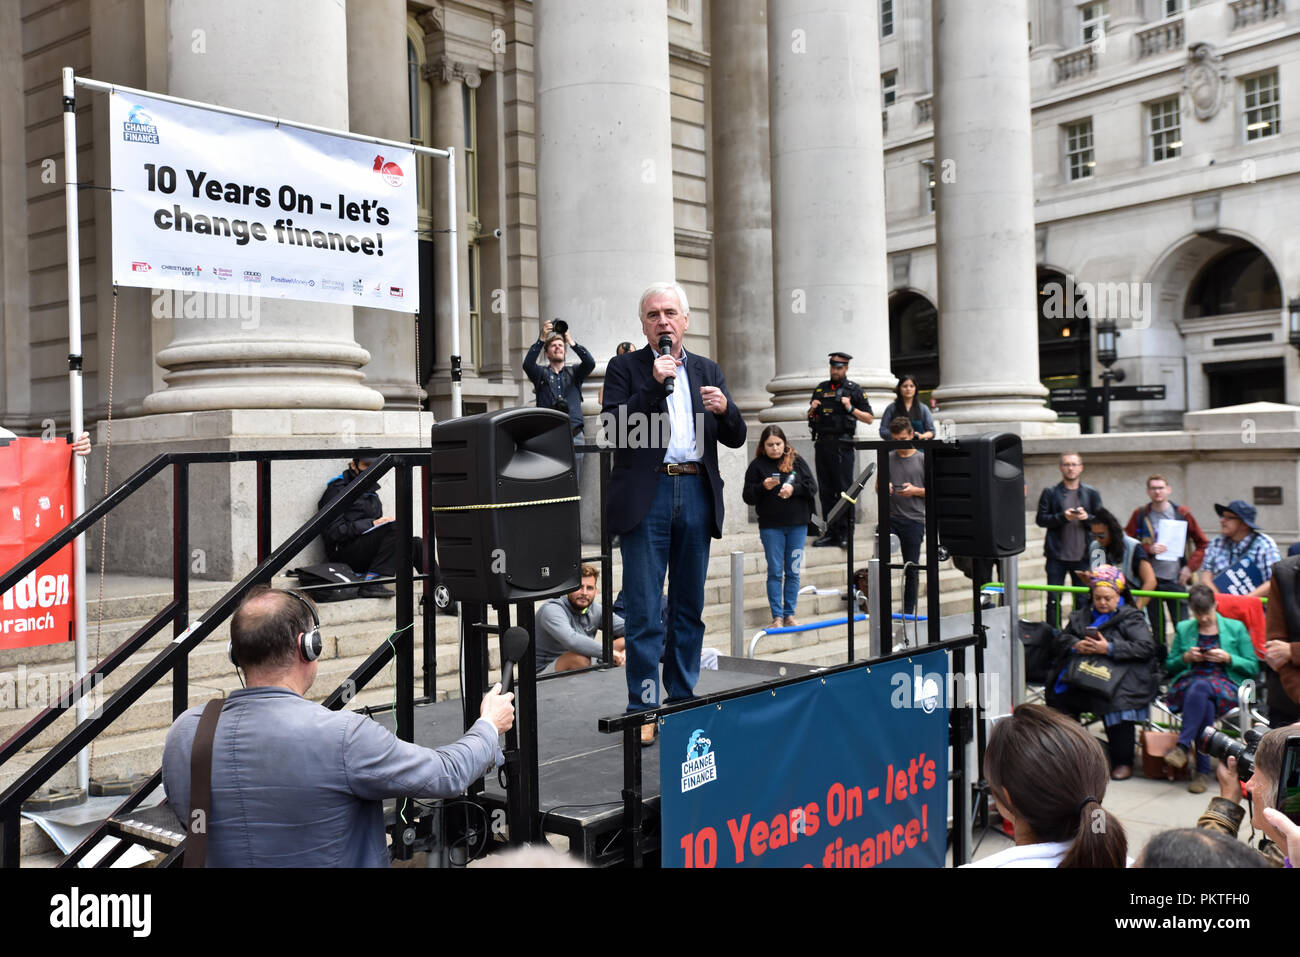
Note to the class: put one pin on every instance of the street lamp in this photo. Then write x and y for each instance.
(1106, 355)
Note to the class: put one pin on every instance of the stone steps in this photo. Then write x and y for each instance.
(353, 629)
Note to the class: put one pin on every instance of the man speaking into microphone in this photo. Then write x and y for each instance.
(665, 498)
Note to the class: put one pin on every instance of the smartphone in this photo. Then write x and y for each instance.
(1092, 633)
(1288, 785)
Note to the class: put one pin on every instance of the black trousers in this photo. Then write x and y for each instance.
(834, 475)
(1119, 737)
(376, 552)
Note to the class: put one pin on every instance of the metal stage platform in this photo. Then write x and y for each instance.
(580, 770)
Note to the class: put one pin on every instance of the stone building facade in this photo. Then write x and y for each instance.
(746, 147)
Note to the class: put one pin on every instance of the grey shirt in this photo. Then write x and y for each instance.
(561, 628)
(1074, 538)
(910, 469)
(296, 785)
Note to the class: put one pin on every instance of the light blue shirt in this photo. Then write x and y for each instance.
(296, 785)
(682, 445)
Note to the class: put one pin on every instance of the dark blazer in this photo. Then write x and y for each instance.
(630, 385)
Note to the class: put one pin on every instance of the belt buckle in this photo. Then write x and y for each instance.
(671, 469)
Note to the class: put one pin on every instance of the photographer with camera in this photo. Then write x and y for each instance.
(557, 385)
(1262, 760)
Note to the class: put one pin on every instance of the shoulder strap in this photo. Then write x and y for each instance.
(196, 846)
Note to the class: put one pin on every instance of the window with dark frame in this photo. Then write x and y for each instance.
(1164, 124)
(1261, 105)
(1079, 156)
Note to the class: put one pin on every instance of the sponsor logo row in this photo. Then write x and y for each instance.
(224, 274)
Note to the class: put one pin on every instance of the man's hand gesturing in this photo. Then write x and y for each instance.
(499, 708)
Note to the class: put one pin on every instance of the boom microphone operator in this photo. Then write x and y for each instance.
(666, 349)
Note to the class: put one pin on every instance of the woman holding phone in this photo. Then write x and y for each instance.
(782, 489)
(1210, 658)
(1116, 639)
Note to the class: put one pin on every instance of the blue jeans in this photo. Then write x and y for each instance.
(674, 537)
(1198, 714)
(784, 549)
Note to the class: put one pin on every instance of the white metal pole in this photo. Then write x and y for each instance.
(74, 397)
(455, 283)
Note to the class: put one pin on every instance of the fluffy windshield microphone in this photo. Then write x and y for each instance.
(666, 349)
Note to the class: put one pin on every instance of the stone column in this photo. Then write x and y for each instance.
(742, 201)
(448, 76)
(378, 104)
(914, 66)
(1125, 14)
(604, 165)
(988, 312)
(298, 354)
(1047, 27)
(828, 213)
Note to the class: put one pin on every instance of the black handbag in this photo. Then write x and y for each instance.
(1096, 674)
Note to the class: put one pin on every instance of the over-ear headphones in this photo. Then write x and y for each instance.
(310, 643)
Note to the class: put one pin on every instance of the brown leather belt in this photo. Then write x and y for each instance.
(676, 468)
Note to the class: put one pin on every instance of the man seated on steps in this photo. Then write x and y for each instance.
(363, 537)
(567, 626)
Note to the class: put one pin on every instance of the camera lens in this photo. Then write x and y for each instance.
(560, 326)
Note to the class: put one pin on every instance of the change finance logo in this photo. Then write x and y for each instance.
(139, 127)
(390, 171)
(701, 764)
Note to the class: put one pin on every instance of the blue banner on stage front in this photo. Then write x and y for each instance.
(845, 770)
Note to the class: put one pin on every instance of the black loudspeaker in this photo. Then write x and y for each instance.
(505, 506)
(981, 495)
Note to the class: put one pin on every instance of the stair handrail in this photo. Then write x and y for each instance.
(177, 652)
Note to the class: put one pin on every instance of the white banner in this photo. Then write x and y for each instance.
(214, 203)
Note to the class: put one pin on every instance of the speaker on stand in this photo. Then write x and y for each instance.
(506, 522)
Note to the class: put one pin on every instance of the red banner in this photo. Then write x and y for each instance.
(35, 503)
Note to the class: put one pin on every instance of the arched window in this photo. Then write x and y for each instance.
(1239, 279)
(914, 338)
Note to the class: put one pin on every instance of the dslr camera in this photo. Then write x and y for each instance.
(1218, 745)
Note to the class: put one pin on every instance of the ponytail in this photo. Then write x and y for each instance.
(1100, 840)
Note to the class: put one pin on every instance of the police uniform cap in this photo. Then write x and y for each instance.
(840, 357)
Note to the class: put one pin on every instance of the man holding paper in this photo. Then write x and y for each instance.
(1174, 540)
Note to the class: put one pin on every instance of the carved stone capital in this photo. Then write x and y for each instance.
(433, 19)
(446, 70)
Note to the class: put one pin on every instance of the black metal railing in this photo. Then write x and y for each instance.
(174, 658)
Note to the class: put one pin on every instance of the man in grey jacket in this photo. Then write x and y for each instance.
(566, 628)
(296, 785)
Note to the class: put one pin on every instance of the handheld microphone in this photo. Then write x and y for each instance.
(513, 645)
(666, 349)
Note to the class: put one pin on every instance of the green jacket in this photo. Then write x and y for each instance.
(1233, 638)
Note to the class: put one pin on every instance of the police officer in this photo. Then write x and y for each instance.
(837, 406)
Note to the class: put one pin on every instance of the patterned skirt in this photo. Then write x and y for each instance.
(1224, 694)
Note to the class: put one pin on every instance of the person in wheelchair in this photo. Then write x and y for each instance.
(1211, 656)
(1105, 664)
